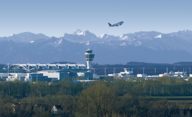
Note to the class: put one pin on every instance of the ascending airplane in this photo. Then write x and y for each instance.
(116, 24)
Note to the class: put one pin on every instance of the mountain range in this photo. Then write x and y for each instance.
(143, 46)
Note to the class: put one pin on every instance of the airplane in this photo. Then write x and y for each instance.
(116, 24)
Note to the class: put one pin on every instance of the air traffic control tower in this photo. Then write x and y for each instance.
(89, 56)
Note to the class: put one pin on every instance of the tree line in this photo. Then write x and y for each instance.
(104, 98)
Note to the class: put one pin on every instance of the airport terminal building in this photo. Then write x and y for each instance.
(50, 72)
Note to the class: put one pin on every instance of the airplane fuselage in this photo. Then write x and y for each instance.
(116, 24)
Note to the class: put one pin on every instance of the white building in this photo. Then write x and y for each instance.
(17, 76)
(141, 75)
(50, 74)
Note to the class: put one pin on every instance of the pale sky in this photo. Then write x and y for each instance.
(56, 17)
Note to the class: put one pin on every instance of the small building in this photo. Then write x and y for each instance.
(141, 75)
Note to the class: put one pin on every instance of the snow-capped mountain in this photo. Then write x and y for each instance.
(27, 37)
(142, 46)
(80, 37)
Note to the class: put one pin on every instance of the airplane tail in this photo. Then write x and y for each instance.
(109, 24)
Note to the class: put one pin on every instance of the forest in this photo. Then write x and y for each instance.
(163, 97)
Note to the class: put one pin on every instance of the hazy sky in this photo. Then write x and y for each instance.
(56, 17)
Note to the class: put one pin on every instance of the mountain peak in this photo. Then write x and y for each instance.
(29, 34)
(79, 32)
(82, 33)
(28, 37)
